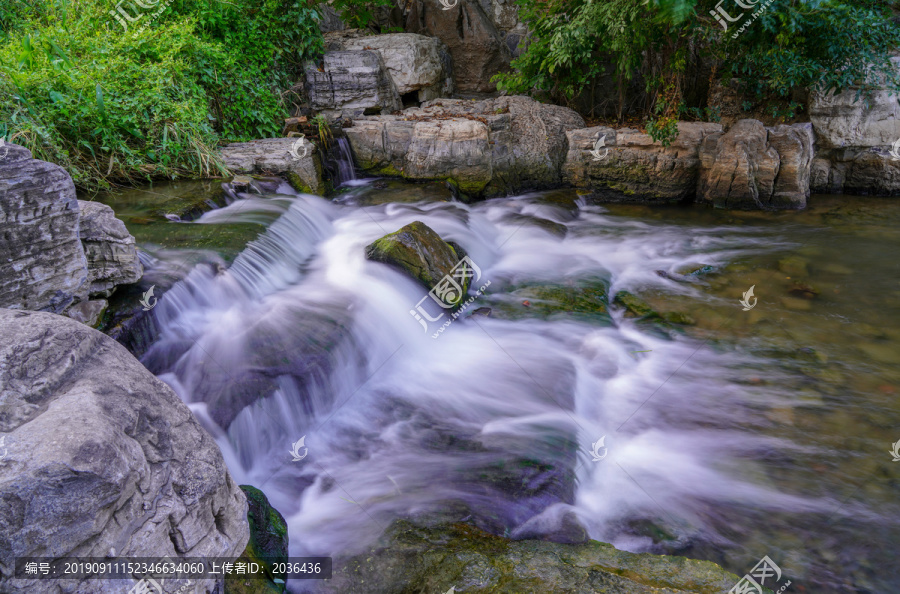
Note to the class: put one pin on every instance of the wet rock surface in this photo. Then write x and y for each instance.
(112, 257)
(411, 558)
(274, 156)
(416, 250)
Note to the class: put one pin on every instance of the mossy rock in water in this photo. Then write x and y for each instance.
(191, 204)
(417, 251)
(635, 307)
(226, 239)
(587, 299)
(410, 558)
(268, 545)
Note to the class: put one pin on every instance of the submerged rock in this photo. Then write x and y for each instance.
(411, 558)
(418, 251)
(112, 257)
(529, 300)
(103, 458)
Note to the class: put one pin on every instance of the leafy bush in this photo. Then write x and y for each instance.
(114, 105)
(820, 44)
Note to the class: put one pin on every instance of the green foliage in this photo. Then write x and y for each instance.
(821, 44)
(113, 105)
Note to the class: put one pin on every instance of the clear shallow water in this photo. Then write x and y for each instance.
(745, 434)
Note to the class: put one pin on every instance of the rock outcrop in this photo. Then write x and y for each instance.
(273, 156)
(753, 167)
(629, 166)
(352, 81)
(112, 257)
(42, 263)
(420, 66)
(853, 138)
(484, 148)
(103, 459)
(477, 48)
(411, 558)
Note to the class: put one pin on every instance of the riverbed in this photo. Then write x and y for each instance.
(730, 431)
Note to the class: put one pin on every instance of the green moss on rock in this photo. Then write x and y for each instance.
(411, 558)
(268, 545)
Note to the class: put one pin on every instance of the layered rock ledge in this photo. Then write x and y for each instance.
(102, 459)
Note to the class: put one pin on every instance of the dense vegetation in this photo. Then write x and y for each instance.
(783, 45)
(108, 102)
(149, 87)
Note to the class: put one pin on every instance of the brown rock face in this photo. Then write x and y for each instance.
(752, 167)
(476, 47)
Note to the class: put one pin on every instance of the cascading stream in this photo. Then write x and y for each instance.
(303, 337)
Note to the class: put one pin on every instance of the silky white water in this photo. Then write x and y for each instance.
(304, 337)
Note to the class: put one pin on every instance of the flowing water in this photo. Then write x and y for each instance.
(731, 436)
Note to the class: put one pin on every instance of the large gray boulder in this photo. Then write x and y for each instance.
(102, 458)
(485, 148)
(629, 166)
(352, 81)
(42, 263)
(754, 167)
(112, 257)
(477, 48)
(274, 156)
(417, 64)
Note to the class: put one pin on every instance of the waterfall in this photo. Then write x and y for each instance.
(302, 337)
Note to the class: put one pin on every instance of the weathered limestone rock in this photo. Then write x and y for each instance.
(416, 250)
(273, 156)
(485, 148)
(352, 80)
(112, 257)
(853, 139)
(416, 63)
(410, 558)
(476, 47)
(635, 168)
(103, 458)
(42, 263)
(752, 167)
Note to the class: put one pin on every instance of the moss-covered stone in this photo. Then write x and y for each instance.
(585, 299)
(268, 544)
(419, 252)
(635, 307)
(412, 558)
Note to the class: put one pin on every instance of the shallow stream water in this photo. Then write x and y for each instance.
(728, 436)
